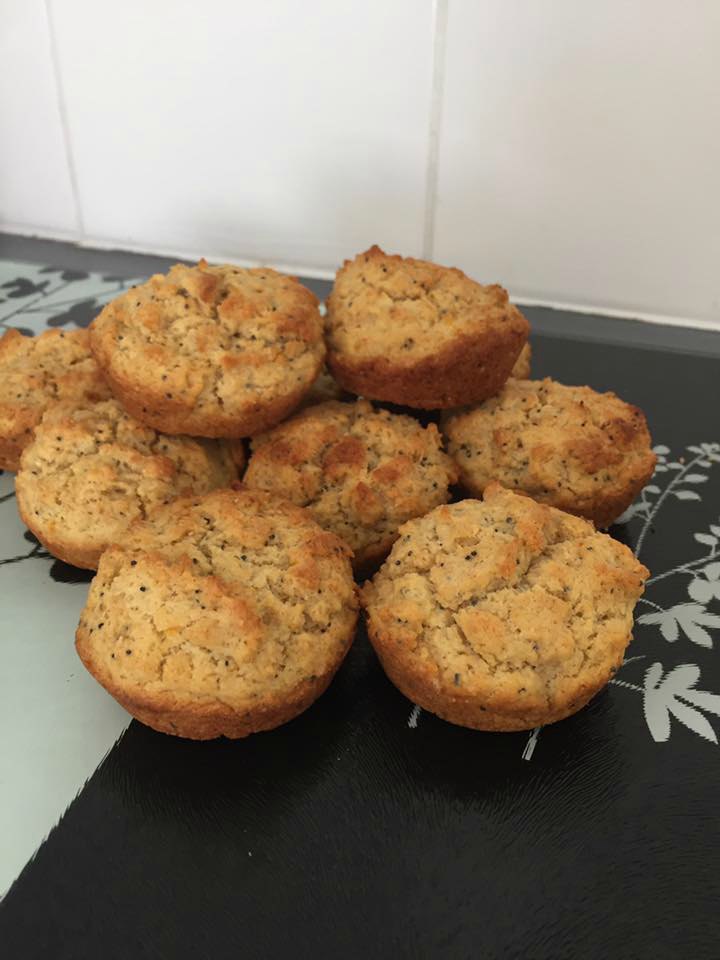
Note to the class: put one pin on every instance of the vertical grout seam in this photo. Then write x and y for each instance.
(440, 19)
(60, 94)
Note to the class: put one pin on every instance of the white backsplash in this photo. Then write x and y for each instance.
(569, 151)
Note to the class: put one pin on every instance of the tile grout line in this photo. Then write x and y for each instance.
(60, 96)
(440, 19)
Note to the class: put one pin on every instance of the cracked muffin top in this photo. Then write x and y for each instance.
(416, 333)
(502, 613)
(90, 471)
(220, 613)
(215, 351)
(585, 452)
(36, 372)
(360, 471)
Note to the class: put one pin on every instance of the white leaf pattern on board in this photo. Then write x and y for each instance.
(708, 589)
(690, 617)
(34, 297)
(675, 694)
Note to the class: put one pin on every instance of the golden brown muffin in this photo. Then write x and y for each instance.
(220, 615)
(36, 372)
(585, 452)
(90, 471)
(502, 614)
(521, 370)
(417, 334)
(211, 351)
(325, 388)
(360, 471)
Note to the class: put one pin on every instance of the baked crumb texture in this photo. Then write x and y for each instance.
(325, 388)
(521, 369)
(585, 452)
(211, 351)
(91, 471)
(36, 372)
(418, 334)
(502, 614)
(360, 471)
(220, 615)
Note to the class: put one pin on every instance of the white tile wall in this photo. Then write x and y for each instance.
(580, 151)
(35, 188)
(279, 130)
(578, 144)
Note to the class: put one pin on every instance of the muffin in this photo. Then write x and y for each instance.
(211, 351)
(502, 614)
(36, 372)
(521, 370)
(90, 471)
(585, 452)
(361, 472)
(420, 335)
(325, 388)
(219, 615)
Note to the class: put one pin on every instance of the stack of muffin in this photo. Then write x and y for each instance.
(224, 603)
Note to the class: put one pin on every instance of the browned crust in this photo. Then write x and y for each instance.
(20, 419)
(365, 562)
(208, 719)
(75, 555)
(323, 389)
(607, 509)
(239, 456)
(10, 451)
(178, 418)
(602, 511)
(191, 408)
(72, 552)
(467, 371)
(466, 712)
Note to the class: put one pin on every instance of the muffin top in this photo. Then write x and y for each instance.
(507, 600)
(360, 470)
(90, 471)
(37, 371)
(576, 449)
(234, 597)
(211, 344)
(408, 310)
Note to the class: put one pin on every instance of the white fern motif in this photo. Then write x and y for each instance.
(674, 694)
(692, 618)
(38, 296)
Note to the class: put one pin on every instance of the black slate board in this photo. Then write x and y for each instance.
(351, 833)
